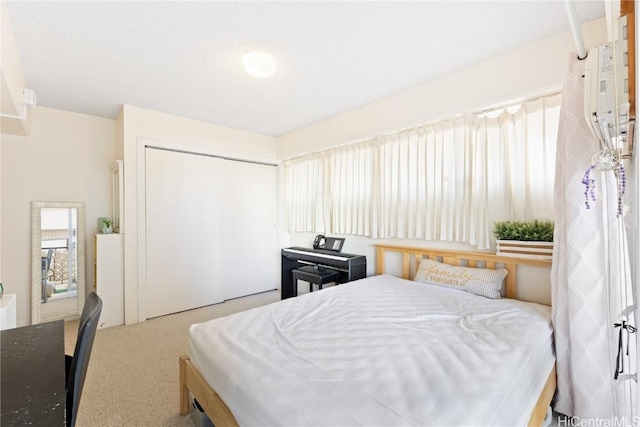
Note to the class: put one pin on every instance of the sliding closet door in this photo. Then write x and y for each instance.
(184, 230)
(250, 228)
(211, 230)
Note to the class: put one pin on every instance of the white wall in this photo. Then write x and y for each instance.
(140, 123)
(523, 72)
(12, 79)
(65, 159)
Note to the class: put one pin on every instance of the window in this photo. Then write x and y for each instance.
(449, 180)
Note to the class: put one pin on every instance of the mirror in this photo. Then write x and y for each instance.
(57, 260)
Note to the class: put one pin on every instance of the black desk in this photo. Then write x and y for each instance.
(349, 266)
(32, 385)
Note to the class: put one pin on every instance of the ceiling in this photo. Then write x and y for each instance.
(185, 58)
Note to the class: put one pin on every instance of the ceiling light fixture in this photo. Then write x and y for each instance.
(259, 64)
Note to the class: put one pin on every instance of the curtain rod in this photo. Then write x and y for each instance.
(575, 28)
(500, 106)
(550, 92)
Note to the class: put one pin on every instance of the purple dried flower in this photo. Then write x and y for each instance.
(589, 187)
(589, 183)
(622, 185)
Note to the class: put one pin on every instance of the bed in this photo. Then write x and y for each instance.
(383, 350)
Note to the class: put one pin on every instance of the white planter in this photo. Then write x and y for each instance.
(517, 248)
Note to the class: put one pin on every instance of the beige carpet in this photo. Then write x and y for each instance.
(133, 372)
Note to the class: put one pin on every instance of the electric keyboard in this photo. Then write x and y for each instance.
(349, 266)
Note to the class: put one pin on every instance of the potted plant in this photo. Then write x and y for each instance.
(107, 226)
(529, 239)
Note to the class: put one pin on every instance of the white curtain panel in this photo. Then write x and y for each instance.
(447, 181)
(350, 185)
(590, 275)
(304, 180)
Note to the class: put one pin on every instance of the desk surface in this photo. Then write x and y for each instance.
(32, 386)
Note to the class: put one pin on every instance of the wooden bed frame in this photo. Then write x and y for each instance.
(191, 381)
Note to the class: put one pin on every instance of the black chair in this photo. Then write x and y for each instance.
(46, 265)
(76, 365)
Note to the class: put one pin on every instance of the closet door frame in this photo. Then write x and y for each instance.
(142, 144)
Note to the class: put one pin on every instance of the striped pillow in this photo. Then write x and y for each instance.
(480, 281)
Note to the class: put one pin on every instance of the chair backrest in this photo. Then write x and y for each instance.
(80, 361)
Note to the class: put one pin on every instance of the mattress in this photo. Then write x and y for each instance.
(379, 351)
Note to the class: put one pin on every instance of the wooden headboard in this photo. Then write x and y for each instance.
(412, 256)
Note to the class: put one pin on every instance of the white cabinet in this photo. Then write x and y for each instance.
(109, 277)
(8, 311)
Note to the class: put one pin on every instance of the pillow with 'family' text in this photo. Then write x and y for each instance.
(480, 281)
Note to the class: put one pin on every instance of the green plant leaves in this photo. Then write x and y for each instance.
(537, 231)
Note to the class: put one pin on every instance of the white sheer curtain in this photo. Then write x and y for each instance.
(350, 187)
(305, 195)
(445, 181)
(591, 284)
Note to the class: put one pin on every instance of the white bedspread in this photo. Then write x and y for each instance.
(379, 351)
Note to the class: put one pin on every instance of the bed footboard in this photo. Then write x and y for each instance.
(191, 380)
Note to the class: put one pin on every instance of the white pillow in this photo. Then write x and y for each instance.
(479, 281)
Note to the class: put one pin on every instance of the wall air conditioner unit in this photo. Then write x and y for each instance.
(606, 96)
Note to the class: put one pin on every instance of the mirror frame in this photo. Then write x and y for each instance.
(36, 255)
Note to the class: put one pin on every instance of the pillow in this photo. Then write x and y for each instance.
(480, 281)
